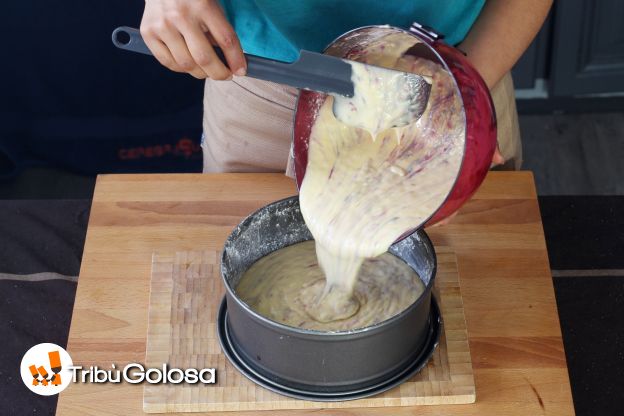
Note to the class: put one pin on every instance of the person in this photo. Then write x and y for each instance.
(248, 123)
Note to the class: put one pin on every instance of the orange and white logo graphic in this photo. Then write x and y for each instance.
(45, 369)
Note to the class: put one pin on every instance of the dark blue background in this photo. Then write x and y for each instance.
(73, 100)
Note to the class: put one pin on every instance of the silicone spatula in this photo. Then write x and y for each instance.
(312, 71)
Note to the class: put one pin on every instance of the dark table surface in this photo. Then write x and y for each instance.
(42, 243)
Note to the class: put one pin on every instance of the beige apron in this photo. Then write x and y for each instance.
(248, 125)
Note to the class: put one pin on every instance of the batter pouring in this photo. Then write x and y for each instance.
(365, 187)
(286, 286)
(366, 184)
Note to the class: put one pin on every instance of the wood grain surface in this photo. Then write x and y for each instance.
(185, 293)
(509, 303)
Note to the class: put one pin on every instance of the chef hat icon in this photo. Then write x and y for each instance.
(55, 367)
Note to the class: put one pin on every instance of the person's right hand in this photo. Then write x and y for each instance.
(180, 34)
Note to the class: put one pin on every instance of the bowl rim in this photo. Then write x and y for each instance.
(313, 332)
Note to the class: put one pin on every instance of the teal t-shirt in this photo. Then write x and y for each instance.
(278, 29)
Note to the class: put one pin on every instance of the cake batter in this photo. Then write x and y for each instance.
(367, 183)
(288, 286)
(365, 187)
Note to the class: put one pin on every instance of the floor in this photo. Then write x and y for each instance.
(575, 154)
(577, 162)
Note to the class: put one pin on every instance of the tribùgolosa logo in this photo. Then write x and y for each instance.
(45, 369)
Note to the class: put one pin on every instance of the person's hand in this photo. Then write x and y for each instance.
(498, 158)
(180, 34)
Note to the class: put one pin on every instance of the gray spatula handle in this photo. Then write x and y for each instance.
(311, 71)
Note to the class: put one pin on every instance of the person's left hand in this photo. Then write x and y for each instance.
(498, 158)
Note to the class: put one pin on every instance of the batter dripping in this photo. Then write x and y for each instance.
(365, 187)
(287, 285)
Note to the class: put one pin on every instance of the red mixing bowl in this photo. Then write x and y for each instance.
(480, 118)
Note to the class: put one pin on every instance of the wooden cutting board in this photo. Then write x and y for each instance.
(186, 291)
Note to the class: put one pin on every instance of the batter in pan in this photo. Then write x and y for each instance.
(286, 286)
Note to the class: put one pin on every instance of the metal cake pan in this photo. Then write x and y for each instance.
(321, 363)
